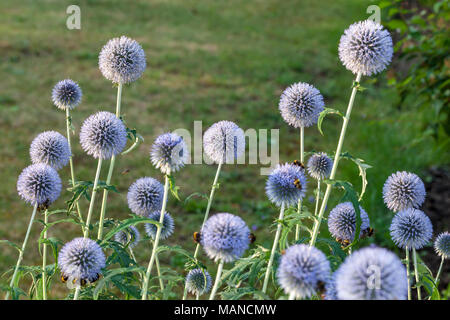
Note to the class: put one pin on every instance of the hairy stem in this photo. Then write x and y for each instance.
(336, 160)
(317, 197)
(158, 270)
(44, 259)
(416, 273)
(94, 193)
(217, 281)
(274, 248)
(302, 160)
(408, 273)
(438, 275)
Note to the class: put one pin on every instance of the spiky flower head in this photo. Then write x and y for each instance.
(225, 237)
(300, 105)
(167, 225)
(372, 273)
(103, 135)
(342, 221)
(319, 166)
(39, 184)
(145, 195)
(411, 228)
(81, 261)
(129, 237)
(403, 190)
(52, 148)
(198, 281)
(366, 48)
(302, 270)
(169, 153)
(122, 60)
(442, 245)
(224, 142)
(66, 94)
(286, 185)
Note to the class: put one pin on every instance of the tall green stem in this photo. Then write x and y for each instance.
(158, 235)
(24, 244)
(336, 160)
(72, 171)
(44, 259)
(302, 161)
(94, 193)
(408, 273)
(217, 281)
(158, 270)
(110, 171)
(274, 248)
(317, 197)
(438, 275)
(416, 274)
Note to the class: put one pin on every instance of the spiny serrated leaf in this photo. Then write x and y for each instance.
(323, 114)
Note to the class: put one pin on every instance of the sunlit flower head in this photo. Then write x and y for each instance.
(411, 228)
(167, 226)
(286, 184)
(198, 281)
(342, 221)
(224, 142)
(442, 245)
(52, 148)
(169, 153)
(145, 195)
(66, 94)
(403, 190)
(319, 166)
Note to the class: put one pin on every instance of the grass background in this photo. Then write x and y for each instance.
(208, 61)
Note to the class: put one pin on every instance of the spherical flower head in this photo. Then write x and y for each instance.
(52, 148)
(39, 184)
(66, 94)
(300, 105)
(169, 153)
(372, 273)
(286, 185)
(411, 228)
(122, 60)
(403, 190)
(167, 225)
(145, 195)
(225, 237)
(319, 166)
(129, 237)
(342, 221)
(198, 281)
(224, 142)
(103, 135)
(366, 48)
(442, 245)
(302, 270)
(81, 260)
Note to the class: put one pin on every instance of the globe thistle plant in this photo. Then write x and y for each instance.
(302, 271)
(300, 105)
(122, 60)
(66, 94)
(366, 48)
(224, 142)
(81, 261)
(198, 282)
(411, 229)
(169, 153)
(342, 222)
(371, 273)
(167, 225)
(39, 184)
(286, 185)
(129, 237)
(145, 195)
(403, 190)
(319, 166)
(442, 245)
(50, 147)
(103, 135)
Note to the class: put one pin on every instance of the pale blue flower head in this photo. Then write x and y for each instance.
(411, 228)
(319, 166)
(39, 184)
(81, 261)
(372, 273)
(286, 185)
(52, 148)
(303, 270)
(224, 142)
(122, 60)
(145, 195)
(366, 48)
(198, 281)
(129, 237)
(103, 135)
(342, 221)
(403, 190)
(169, 153)
(66, 94)
(167, 225)
(300, 105)
(442, 245)
(225, 237)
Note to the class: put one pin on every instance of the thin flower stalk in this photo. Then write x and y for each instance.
(44, 259)
(416, 274)
(408, 272)
(217, 281)
(302, 161)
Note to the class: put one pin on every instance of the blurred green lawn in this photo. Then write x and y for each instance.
(208, 61)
